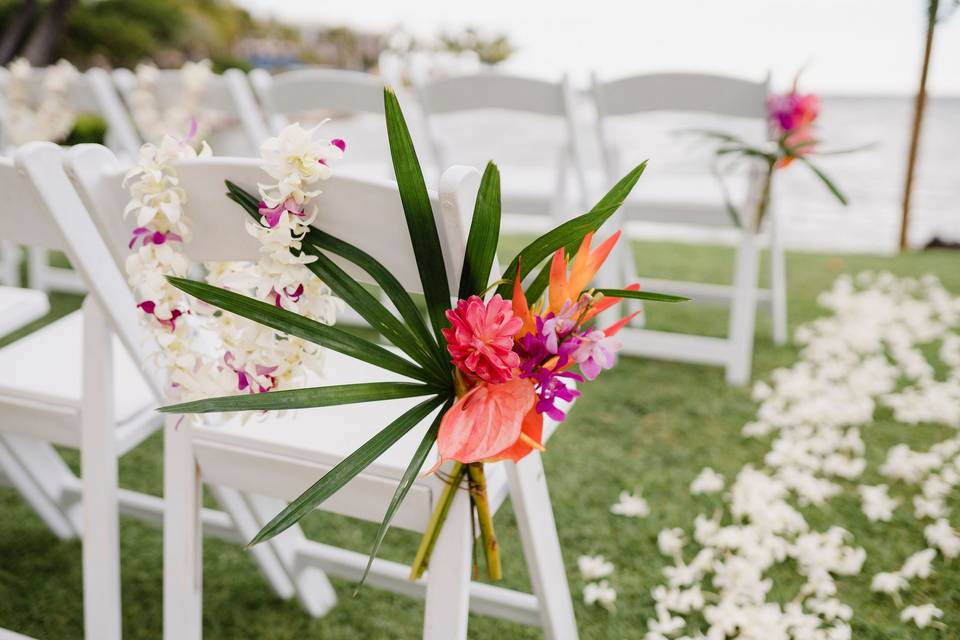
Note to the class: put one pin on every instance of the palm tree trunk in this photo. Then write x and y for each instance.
(16, 31)
(919, 105)
(43, 40)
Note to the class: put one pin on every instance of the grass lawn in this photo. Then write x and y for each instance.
(650, 425)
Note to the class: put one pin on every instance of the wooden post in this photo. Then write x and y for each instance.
(917, 120)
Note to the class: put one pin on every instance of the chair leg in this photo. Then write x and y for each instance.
(263, 555)
(34, 492)
(98, 466)
(448, 580)
(778, 284)
(313, 589)
(36, 268)
(182, 536)
(541, 547)
(9, 264)
(743, 310)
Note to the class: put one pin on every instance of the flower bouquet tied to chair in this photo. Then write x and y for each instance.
(492, 365)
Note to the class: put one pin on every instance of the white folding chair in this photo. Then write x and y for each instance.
(696, 199)
(228, 94)
(353, 100)
(90, 93)
(464, 113)
(280, 456)
(78, 383)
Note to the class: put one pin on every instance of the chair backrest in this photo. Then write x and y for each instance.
(352, 100)
(42, 208)
(365, 212)
(496, 92)
(675, 93)
(292, 93)
(227, 93)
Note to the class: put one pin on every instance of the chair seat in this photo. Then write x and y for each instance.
(42, 373)
(280, 455)
(19, 307)
(675, 198)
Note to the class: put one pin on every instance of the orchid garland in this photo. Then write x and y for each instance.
(154, 120)
(494, 365)
(250, 357)
(51, 117)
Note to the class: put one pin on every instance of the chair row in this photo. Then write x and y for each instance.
(87, 382)
(472, 118)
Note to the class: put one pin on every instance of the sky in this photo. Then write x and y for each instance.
(844, 46)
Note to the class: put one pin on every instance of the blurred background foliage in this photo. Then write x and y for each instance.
(122, 33)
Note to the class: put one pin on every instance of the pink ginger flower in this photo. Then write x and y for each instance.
(480, 340)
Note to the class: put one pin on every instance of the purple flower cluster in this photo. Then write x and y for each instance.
(558, 342)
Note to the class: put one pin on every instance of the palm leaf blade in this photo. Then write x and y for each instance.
(484, 234)
(347, 469)
(419, 214)
(307, 398)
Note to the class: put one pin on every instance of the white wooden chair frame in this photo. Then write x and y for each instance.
(231, 458)
(92, 92)
(676, 92)
(496, 91)
(89, 505)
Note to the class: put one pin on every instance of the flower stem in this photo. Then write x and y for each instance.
(436, 522)
(491, 548)
(764, 203)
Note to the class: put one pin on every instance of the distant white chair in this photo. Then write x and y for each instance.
(281, 456)
(93, 93)
(80, 383)
(537, 189)
(354, 100)
(228, 94)
(19, 307)
(697, 200)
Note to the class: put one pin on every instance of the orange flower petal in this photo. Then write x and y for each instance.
(559, 290)
(607, 302)
(485, 422)
(521, 308)
(583, 271)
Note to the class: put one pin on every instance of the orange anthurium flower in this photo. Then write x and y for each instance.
(485, 422)
(531, 437)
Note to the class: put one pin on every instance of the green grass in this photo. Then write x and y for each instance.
(647, 424)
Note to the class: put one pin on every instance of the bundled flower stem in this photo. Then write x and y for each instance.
(437, 519)
(478, 495)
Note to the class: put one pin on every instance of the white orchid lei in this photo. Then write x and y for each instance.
(154, 120)
(51, 117)
(246, 357)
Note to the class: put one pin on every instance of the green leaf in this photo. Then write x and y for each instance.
(307, 398)
(317, 239)
(302, 327)
(373, 311)
(484, 234)
(419, 214)
(570, 233)
(827, 181)
(245, 199)
(406, 481)
(642, 295)
(347, 469)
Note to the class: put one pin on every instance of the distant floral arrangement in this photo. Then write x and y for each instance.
(156, 117)
(494, 364)
(39, 110)
(792, 118)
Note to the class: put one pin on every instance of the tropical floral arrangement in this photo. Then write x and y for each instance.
(498, 363)
(792, 118)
